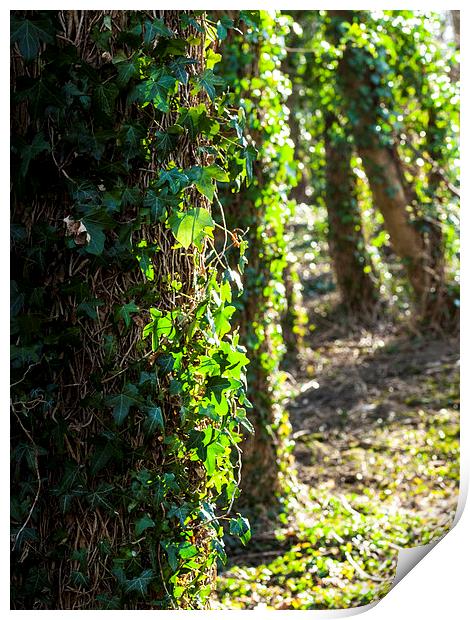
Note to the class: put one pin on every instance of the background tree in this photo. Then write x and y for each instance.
(367, 100)
(253, 68)
(345, 237)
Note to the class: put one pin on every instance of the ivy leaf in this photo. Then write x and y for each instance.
(187, 550)
(166, 362)
(180, 512)
(154, 420)
(155, 90)
(250, 154)
(165, 144)
(175, 178)
(125, 311)
(121, 403)
(216, 172)
(29, 36)
(208, 366)
(132, 136)
(244, 421)
(126, 70)
(178, 68)
(158, 204)
(96, 234)
(88, 308)
(212, 58)
(100, 497)
(139, 584)
(213, 449)
(155, 28)
(172, 552)
(130, 196)
(191, 226)
(208, 81)
(222, 319)
(108, 602)
(30, 152)
(240, 526)
(216, 386)
(101, 456)
(144, 523)
(105, 96)
(203, 178)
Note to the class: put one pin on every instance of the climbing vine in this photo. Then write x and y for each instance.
(252, 65)
(128, 382)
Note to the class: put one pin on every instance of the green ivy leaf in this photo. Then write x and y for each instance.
(176, 179)
(140, 584)
(240, 527)
(29, 36)
(216, 386)
(121, 403)
(213, 449)
(166, 362)
(154, 420)
(186, 550)
(154, 29)
(203, 177)
(156, 90)
(208, 81)
(165, 143)
(105, 96)
(191, 226)
(159, 204)
(97, 237)
(126, 70)
(101, 456)
(144, 523)
(125, 312)
(28, 153)
(88, 308)
(178, 68)
(250, 154)
(212, 58)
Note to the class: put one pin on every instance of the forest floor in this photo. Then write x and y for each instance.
(375, 421)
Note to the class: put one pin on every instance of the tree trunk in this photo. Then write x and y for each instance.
(390, 191)
(74, 524)
(265, 452)
(345, 239)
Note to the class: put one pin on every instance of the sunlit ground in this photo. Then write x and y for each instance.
(375, 419)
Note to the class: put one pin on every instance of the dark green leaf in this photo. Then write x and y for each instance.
(139, 584)
(121, 403)
(29, 36)
(155, 28)
(154, 420)
(143, 524)
(208, 81)
(30, 152)
(178, 68)
(216, 386)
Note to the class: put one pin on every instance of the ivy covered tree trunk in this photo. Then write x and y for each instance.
(391, 192)
(359, 81)
(261, 211)
(346, 242)
(121, 440)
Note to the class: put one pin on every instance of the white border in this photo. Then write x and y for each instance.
(438, 586)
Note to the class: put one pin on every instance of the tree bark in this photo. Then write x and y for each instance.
(94, 363)
(345, 237)
(391, 193)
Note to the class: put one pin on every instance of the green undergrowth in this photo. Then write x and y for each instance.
(366, 492)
